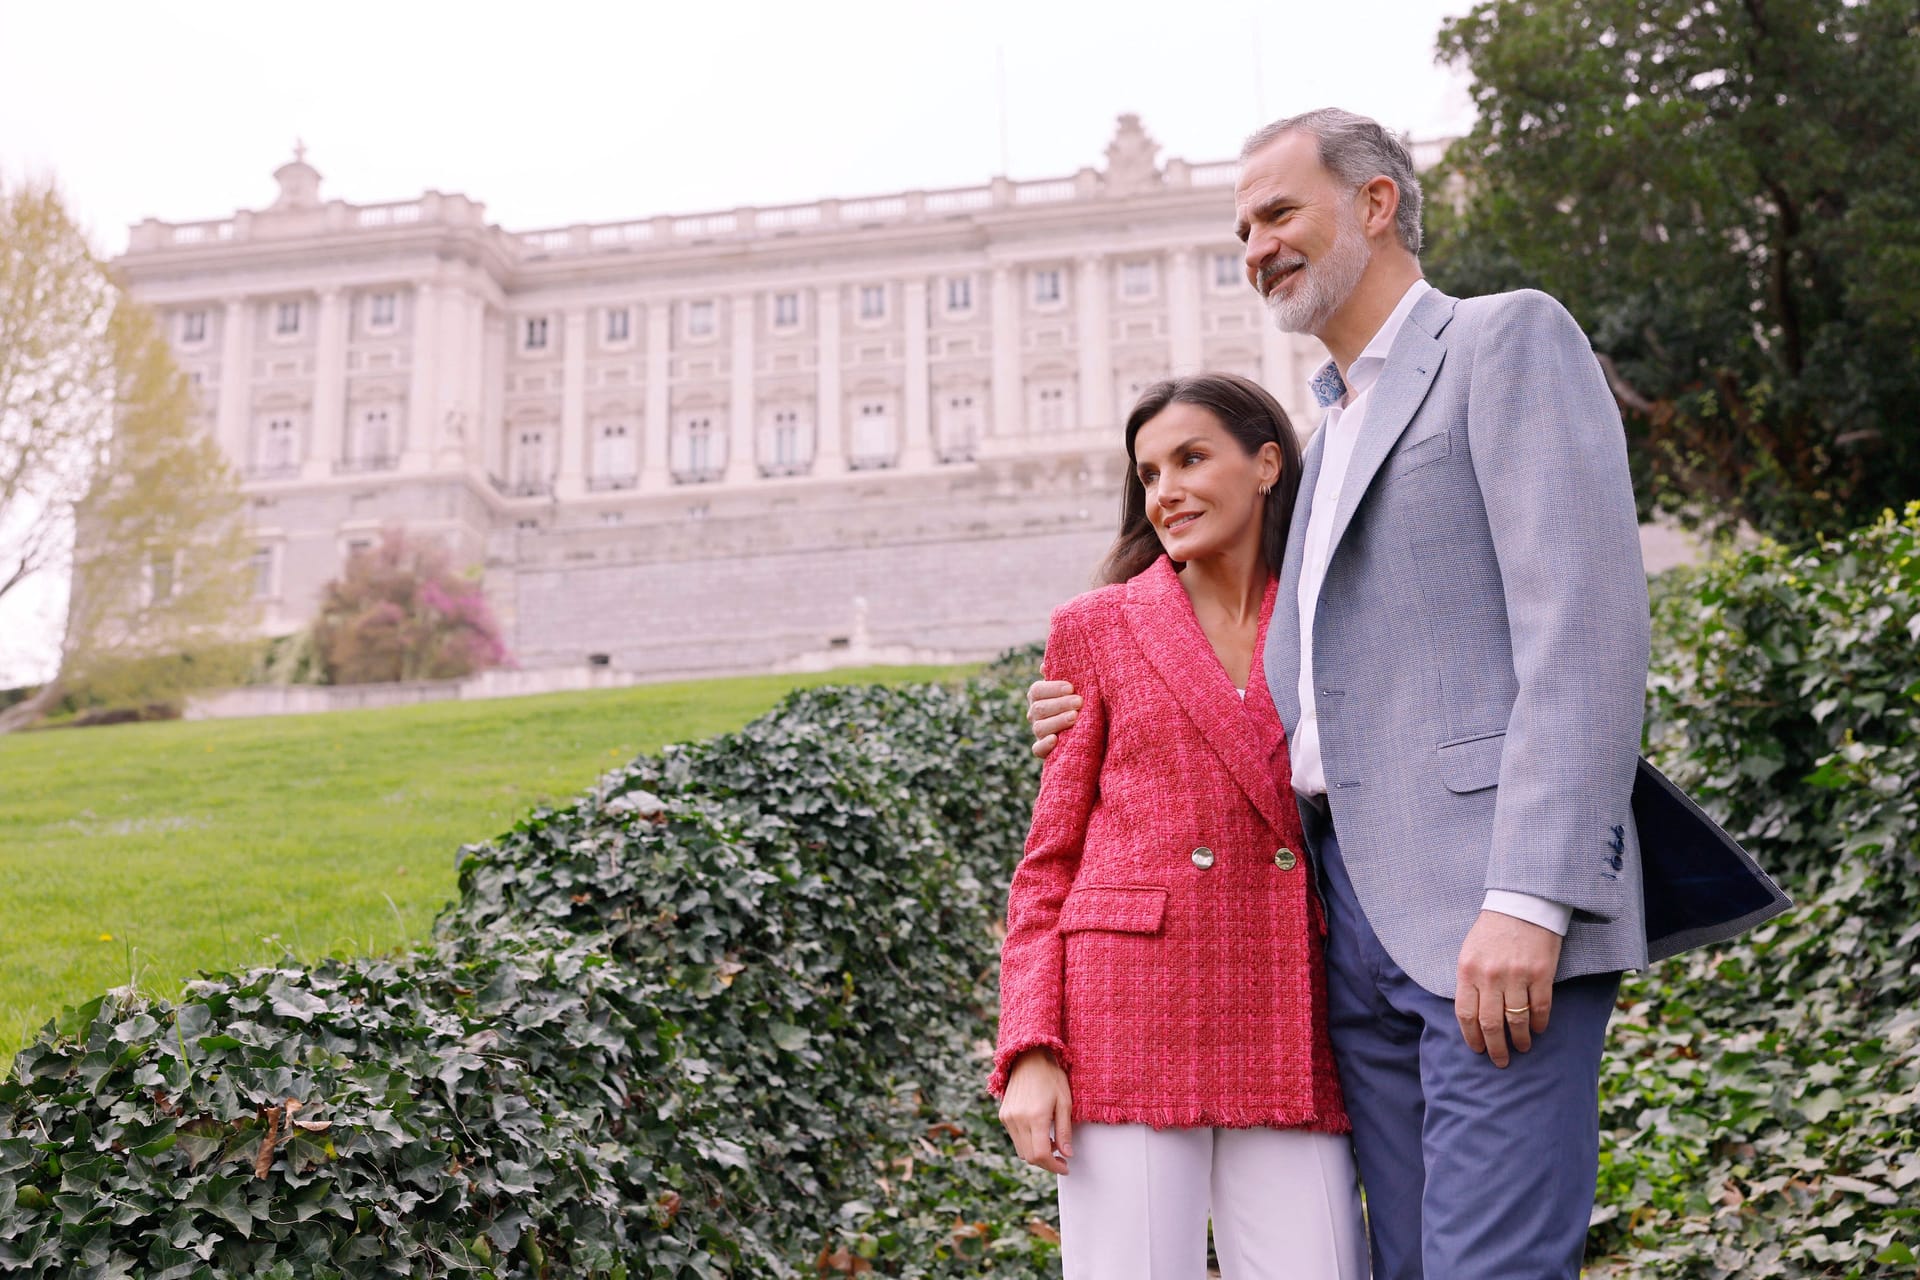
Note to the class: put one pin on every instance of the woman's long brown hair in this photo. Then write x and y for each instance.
(1253, 418)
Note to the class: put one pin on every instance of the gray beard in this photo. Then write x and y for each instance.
(1323, 286)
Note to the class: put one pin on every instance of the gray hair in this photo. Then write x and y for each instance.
(1355, 150)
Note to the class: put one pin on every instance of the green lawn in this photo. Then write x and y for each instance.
(148, 852)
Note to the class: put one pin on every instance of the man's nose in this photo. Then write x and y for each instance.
(1261, 248)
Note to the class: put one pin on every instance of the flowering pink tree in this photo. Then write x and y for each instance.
(400, 612)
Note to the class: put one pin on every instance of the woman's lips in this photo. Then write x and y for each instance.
(1182, 520)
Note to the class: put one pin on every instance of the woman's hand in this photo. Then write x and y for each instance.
(1038, 1110)
(1051, 707)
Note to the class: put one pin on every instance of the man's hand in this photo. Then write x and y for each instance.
(1505, 986)
(1038, 1110)
(1051, 707)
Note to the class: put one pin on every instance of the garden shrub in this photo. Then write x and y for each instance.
(1761, 1102)
(728, 1013)
(725, 1015)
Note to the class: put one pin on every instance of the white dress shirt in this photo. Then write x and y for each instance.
(1345, 420)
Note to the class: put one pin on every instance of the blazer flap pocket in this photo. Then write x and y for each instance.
(1472, 764)
(1414, 454)
(1114, 908)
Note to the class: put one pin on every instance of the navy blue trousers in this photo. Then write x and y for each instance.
(1471, 1171)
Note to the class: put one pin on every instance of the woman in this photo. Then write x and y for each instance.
(1163, 1041)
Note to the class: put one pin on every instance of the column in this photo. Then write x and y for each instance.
(1183, 313)
(656, 475)
(829, 447)
(742, 425)
(329, 386)
(1007, 418)
(1276, 361)
(421, 380)
(570, 471)
(1094, 334)
(236, 383)
(476, 382)
(456, 397)
(916, 453)
(493, 395)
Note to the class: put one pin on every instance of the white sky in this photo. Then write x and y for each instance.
(564, 111)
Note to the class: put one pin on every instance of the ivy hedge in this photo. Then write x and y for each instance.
(728, 1013)
(1761, 1104)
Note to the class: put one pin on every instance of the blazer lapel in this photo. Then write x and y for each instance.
(1412, 365)
(1163, 624)
(1281, 659)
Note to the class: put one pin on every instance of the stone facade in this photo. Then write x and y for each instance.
(722, 441)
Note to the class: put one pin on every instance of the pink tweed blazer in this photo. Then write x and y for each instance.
(1163, 938)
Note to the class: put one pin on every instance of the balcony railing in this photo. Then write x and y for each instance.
(697, 475)
(870, 462)
(780, 470)
(604, 484)
(523, 486)
(273, 471)
(372, 462)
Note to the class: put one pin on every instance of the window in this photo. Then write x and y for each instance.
(619, 324)
(286, 320)
(786, 438)
(1136, 280)
(374, 448)
(960, 293)
(381, 310)
(1226, 270)
(193, 326)
(700, 447)
(530, 462)
(786, 310)
(536, 334)
(613, 457)
(700, 319)
(959, 427)
(872, 436)
(1046, 287)
(277, 455)
(1051, 405)
(873, 302)
(262, 564)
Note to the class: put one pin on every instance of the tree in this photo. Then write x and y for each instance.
(400, 612)
(104, 473)
(1725, 196)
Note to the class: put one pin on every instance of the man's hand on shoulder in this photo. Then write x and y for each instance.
(1052, 705)
(1505, 984)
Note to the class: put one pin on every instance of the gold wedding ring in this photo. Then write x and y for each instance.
(1525, 1008)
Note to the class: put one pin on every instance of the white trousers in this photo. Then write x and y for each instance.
(1285, 1204)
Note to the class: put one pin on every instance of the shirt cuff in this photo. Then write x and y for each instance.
(1524, 906)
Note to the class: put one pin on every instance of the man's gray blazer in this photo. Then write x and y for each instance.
(1480, 644)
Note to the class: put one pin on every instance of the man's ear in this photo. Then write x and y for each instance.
(1381, 207)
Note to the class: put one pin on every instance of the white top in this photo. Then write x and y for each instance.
(1342, 426)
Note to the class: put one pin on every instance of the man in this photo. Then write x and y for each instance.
(1459, 658)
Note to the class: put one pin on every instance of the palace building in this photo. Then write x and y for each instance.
(720, 441)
